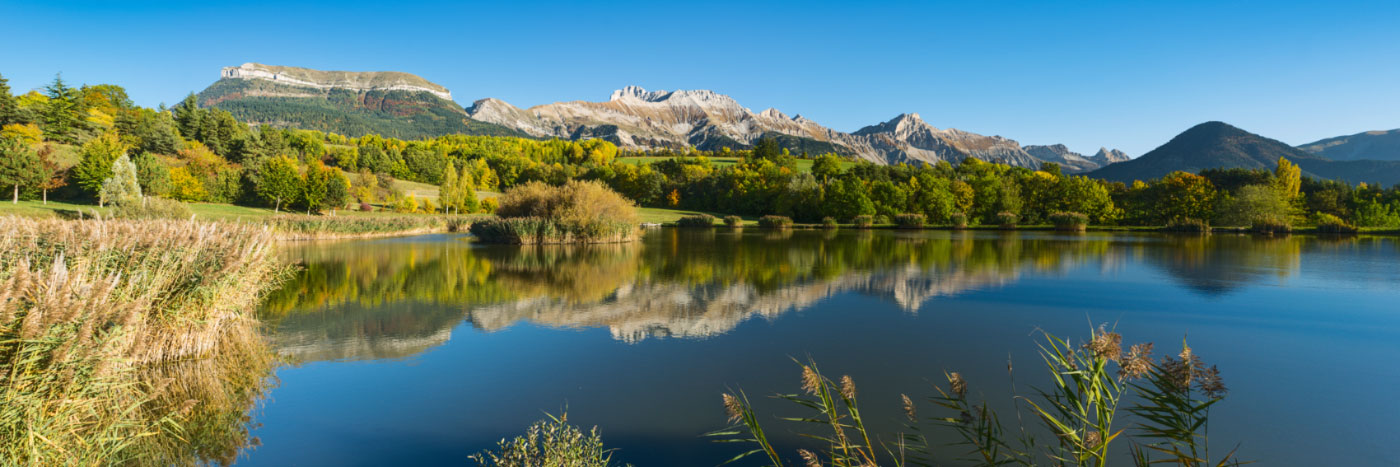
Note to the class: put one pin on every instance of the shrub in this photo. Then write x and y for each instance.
(365, 207)
(1266, 226)
(1007, 219)
(909, 221)
(863, 221)
(1187, 225)
(733, 221)
(1070, 221)
(1327, 223)
(550, 443)
(958, 220)
(577, 212)
(829, 223)
(775, 222)
(699, 220)
(882, 219)
(153, 208)
(489, 205)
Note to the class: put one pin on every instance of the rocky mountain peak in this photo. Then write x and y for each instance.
(774, 114)
(1107, 156)
(359, 81)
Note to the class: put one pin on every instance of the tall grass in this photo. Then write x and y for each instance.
(909, 221)
(775, 222)
(1069, 221)
(88, 307)
(306, 227)
(698, 220)
(1079, 409)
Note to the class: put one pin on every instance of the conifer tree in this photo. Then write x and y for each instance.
(62, 117)
(19, 165)
(9, 106)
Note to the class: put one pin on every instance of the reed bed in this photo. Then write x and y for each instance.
(698, 220)
(576, 212)
(304, 227)
(86, 305)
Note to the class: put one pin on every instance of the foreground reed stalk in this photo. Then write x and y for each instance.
(86, 307)
(1078, 409)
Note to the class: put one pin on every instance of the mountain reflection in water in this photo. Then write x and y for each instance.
(396, 298)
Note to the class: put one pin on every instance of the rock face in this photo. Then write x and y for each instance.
(635, 118)
(1106, 156)
(349, 80)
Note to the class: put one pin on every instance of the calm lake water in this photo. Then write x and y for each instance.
(427, 349)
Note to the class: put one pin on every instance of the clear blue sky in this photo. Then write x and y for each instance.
(1125, 74)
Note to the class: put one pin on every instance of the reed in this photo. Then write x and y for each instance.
(85, 306)
(1327, 223)
(1007, 220)
(1069, 221)
(1079, 408)
(829, 223)
(307, 227)
(863, 221)
(909, 221)
(1187, 225)
(775, 222)
(958, 220)
(733, 222)
(698, 220)
(577, 212)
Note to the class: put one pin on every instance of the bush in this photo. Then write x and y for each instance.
(775, 222)
(365, 207)
(958, 220)
(829, 223)
(699, 220)
(553, 443)
(1007, 219)
(1187, 225)
(909, 221)
(1070, 221)
(1327, 223)
(882, 219)
(1264, 226)
(576, 212)
(733, 221)
(153, 208)
(488, 205)
(863, 221)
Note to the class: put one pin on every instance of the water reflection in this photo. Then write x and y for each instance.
(396, 298)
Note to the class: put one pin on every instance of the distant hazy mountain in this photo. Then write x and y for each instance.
(1220, 145)
(1373, 145)
(352, 103)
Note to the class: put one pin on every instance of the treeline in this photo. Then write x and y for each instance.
(195, 154)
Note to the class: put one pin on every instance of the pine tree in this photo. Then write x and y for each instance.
(122, 188)
(9, 106)
(62, 118)
(19, 165)
(187, 117)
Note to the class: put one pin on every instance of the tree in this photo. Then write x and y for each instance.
(63, 115)
(277, 181)
(1256, 204)
(826, 167)
(121, 188)
(97, 156)
(26, 133)
(1178, 196)
(184, 186)
(315, 184)
(19, 165)
(448, 190)
(187, 116)
(1288, 179)
(152, 174)
(52, 176)
(337, 191)
(9, 107)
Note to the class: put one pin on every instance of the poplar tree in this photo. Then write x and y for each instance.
(447, 192)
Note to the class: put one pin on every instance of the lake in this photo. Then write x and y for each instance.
(424, 350)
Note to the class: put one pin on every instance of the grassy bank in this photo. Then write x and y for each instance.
(90, 311)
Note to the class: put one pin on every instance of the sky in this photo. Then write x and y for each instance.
(1127, 75)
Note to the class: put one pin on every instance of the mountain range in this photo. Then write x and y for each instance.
(408, 106)
(404, 105)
